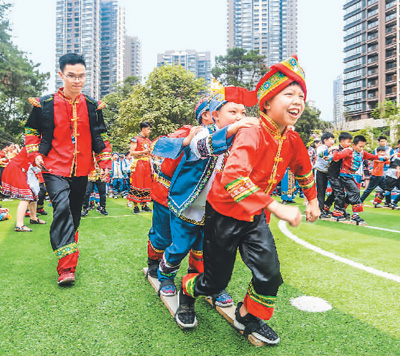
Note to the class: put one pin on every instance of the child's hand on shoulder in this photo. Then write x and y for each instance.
(193, 131)
(245, 122)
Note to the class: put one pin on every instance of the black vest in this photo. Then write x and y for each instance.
(96, 123)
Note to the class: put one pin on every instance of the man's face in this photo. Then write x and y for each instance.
(346, 143)
(115, 157)
(359, 147)
(382, 142)
(74, 77)
(146, 131)
(286, 107)
(381, 153)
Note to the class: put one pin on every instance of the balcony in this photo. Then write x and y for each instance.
(372, 2)
(372, 85)
(390, 5)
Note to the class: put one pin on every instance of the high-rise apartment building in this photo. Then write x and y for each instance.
(267, 26)
(199, 63)
(113, 38)
(133, 57)
(338, 110)
(78, 31)
(96, 29)
(371, 47)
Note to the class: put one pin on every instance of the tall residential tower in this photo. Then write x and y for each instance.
(112, 45)
(199, 63)
(96, 29)
(267, 26)
(133, 57)
(371, 47)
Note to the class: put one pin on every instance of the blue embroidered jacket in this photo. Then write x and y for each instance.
(195, 168)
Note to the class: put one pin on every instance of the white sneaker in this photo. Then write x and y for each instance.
(129, 204)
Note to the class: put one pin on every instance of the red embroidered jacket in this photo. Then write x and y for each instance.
(352, 160)
(71, 145)
(256, 163)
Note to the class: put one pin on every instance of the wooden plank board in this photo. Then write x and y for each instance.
(170, 302)
(229, 314)
(172, 305)
(343, 221)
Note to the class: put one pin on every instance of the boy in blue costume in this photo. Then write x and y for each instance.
(190, 185)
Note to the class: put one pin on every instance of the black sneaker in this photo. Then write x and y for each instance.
(152, 267)
(250, 324)
(85, 212)
(395, 206)
(136, 210)
(41, 211)
(355, 218)
(185, 315)
(324, 215)
(146, 208)
(103, 211)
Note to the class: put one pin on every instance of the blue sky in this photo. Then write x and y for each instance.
(200, 25)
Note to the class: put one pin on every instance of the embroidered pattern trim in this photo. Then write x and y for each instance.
(35, 102)
(66, 250)
(266, 301)
(206, 176)
(241, 188)
(189, 286)
(306, 181)
(31, 132)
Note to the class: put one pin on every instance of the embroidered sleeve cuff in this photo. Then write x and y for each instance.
(306, 181)
(241, 188)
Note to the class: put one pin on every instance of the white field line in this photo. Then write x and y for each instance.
(369, 227)
(283, 227)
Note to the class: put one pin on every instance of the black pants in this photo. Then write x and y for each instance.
(373, 183)
(66, 196)
(41, 195)
(321, 181)
(353, 192)
(101, 187)
(392, 183)
(223, 235)
(337, 192)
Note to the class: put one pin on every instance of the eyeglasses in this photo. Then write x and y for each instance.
(74, 78)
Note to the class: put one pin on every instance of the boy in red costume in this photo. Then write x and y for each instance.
(62, 132)
(235, 217)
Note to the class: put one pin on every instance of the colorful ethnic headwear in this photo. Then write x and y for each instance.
(236, 95)
(278, 78)
(201, 107)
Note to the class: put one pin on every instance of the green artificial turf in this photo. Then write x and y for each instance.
(113, 310)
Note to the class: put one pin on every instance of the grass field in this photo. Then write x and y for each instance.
(113, 310)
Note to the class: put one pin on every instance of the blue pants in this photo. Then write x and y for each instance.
(118, 185)
(160, 232)
(185, 236)
(373, 183)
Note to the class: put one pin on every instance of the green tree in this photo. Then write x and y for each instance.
(390, 112)
(120, 92)
(20, 78)
(309, 122)
(166, 100)
(238, 63)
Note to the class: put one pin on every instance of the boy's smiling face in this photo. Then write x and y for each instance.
(286, 107)
(229, 114)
